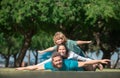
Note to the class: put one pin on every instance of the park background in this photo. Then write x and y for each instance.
(29, 25)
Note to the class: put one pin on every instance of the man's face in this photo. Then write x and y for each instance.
(62, 50)
(57, 62)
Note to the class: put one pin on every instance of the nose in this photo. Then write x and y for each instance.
(58, 62)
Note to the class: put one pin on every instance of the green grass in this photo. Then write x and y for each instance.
(12, 73)
(108, 70)
(13, 69)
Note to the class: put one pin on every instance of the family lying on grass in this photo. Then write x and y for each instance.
(64, 60)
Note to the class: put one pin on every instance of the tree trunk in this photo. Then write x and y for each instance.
(15, 56)
(36, 58)
(97, 38)
(28, 58)
(7, 57)
(26, 44)
(7, 61)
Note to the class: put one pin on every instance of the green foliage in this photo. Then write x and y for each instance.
(10, 42)
(103, 9)
(42, 40)
(79, 19)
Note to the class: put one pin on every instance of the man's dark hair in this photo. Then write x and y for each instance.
(55, 54)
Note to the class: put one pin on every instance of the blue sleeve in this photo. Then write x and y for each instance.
(73, 64)
(48, 66)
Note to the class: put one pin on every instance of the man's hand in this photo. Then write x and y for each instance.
(105, 61)
(20, 68)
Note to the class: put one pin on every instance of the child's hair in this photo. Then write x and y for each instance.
(59, 35)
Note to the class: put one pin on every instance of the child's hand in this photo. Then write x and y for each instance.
(89, 41)
(40, 51)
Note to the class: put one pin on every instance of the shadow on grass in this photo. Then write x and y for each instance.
(12, 73)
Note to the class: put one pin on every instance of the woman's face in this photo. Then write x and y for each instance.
(62, 50)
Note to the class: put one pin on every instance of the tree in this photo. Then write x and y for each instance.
(73, 17)
(9, 46)
(41, 41)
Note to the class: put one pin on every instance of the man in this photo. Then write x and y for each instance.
(60, 64)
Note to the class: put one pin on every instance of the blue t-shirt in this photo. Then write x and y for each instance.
(68, 65)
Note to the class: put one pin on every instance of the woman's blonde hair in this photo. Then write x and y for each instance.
(59, 35)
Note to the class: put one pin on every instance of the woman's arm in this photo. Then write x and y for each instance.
(75, 56)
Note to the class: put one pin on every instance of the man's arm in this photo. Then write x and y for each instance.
(104, 61)
(34, 67)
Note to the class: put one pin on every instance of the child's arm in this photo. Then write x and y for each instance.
(83, 42)
(46, 50)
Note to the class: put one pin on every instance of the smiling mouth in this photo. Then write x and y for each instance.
(59, 64)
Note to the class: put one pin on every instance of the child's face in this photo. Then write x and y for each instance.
(59, 41)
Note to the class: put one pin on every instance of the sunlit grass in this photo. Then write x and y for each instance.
(14, 70)
(12, 73)
(109, 70)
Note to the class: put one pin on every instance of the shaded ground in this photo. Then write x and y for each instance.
(12, 73)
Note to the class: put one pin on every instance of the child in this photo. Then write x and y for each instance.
(60, 38)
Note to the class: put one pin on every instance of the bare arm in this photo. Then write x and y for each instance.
(104, 61)
(77, 57)
(46, 50)
(83, 42)
(34, 67)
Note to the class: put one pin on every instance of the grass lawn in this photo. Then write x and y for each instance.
(104, 70)
(12, 73)
(109, 70)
